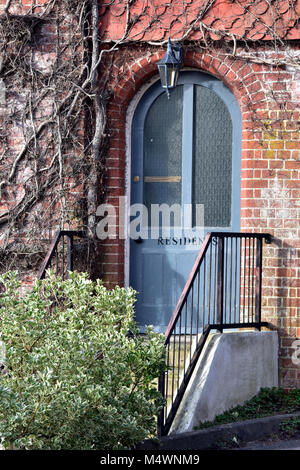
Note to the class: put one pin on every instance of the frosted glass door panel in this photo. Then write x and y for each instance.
(212, 163)
(163, 149)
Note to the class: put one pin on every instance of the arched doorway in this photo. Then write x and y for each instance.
(186, 151)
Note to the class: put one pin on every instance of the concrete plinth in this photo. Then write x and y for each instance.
(232, 369)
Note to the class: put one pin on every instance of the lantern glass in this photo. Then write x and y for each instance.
(163, 75)
(172, 76)
(168, 75)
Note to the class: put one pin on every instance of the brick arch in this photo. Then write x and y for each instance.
(138, 73)
(236, 74)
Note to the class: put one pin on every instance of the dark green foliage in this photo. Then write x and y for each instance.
(73, 377)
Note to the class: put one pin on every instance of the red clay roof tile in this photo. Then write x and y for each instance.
(156, 20)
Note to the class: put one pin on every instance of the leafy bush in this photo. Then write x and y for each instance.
(73, 377)
(290, 427)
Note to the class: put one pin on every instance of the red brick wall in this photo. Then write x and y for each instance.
(270, 189)
(24, 6)
(32, 232)
(269, 101)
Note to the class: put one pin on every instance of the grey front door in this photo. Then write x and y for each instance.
(185, 151)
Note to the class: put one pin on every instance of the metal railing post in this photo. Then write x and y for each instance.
(161, 416)
(53, 252)
(258, 283)
(70, 253)
(220, 297)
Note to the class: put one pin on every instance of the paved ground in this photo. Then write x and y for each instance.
(289, 444)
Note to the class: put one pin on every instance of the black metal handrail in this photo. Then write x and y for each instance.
(223, 291)
(60, 255)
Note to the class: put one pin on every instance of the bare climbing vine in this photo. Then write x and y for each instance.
(49, 59)
(53, 124)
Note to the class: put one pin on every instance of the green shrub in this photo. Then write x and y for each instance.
(290, 426)
(74, 378)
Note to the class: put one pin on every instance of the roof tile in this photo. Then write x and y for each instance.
(257, 8)
(158, 19)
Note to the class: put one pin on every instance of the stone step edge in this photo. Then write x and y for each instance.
(205, 439)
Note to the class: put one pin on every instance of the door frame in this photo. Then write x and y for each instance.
(233, 107)
(128, 131)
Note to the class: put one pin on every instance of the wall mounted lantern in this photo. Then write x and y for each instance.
(169, 67)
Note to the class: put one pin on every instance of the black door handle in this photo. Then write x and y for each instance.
(138, 240)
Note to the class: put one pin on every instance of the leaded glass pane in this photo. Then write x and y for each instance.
(212, 165)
